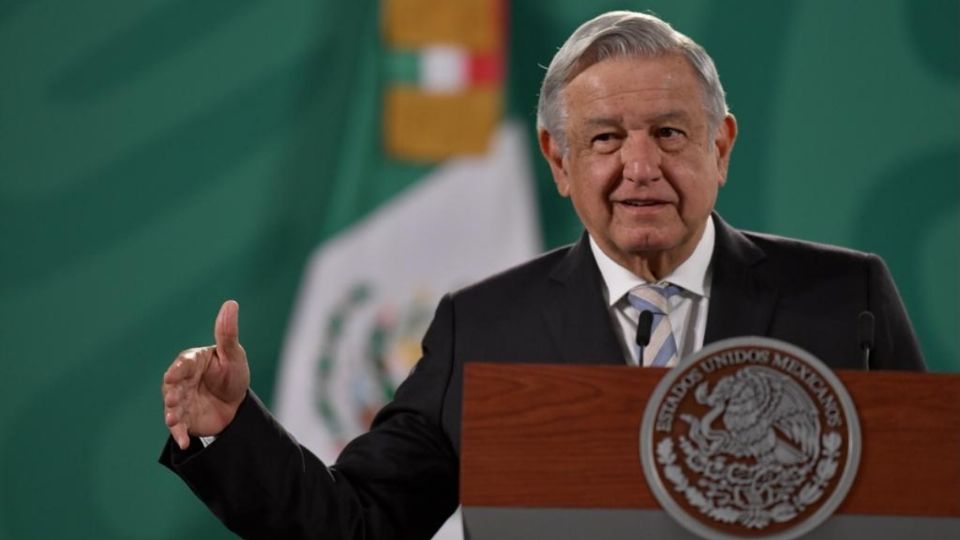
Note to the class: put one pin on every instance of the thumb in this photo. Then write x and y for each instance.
(226, 331)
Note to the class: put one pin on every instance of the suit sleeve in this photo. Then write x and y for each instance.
(398, 481)
(895, 343)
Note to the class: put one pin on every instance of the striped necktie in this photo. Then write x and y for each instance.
(662, 349)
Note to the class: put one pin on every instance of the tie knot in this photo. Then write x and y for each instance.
(652, 297)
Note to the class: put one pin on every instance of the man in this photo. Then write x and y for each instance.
(634, 125)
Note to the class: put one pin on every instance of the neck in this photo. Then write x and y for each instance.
(654, 266)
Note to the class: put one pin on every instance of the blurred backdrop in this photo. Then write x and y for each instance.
(160, 156)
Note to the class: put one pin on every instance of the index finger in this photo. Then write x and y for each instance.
(184, 366)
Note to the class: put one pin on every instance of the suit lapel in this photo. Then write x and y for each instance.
(742, 299)
(575, 313)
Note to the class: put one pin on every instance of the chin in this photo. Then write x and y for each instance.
(648, 242)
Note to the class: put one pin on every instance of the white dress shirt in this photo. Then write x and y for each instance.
(688, 309)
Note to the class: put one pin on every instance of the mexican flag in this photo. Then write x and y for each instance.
(368, 293)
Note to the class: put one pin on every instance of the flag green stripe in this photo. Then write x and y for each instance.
(402, 67)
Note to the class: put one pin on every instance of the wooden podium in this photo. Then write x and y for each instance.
(552, 451)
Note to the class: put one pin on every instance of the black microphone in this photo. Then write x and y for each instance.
(865, 324)
(644, 328)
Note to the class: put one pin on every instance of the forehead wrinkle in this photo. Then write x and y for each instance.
(603, 121)
(676, 114)
(668, 116)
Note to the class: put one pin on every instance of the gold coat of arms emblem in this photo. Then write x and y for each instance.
(750, 438)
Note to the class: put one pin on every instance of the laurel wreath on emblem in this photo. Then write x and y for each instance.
(380, 388)
(332, 332)
(773, 486)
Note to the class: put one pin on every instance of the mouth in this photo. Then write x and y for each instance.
(643, 203)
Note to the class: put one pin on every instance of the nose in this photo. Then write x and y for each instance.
(641, 158)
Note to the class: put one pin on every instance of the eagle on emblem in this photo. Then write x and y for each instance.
(765, 415)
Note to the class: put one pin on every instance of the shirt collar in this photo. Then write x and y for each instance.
(693, 275)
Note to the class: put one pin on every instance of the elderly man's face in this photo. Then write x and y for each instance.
(641, 165)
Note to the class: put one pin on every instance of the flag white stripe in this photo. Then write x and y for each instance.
(444, 69)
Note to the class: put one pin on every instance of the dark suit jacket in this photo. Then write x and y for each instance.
(401, 479)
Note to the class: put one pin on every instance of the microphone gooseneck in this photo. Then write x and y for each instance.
(865, 327)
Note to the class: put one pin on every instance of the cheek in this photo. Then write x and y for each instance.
(696, 183)
(599, 176)
(700, 202)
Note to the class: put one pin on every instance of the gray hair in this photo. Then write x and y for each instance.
(623, 33)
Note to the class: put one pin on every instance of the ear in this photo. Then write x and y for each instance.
(554, 156)
(723, 141)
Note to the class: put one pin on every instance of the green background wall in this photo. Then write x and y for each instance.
(158, 156)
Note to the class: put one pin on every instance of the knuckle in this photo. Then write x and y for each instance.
(192, 353)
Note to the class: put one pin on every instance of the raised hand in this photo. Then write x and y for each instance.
(203, 387)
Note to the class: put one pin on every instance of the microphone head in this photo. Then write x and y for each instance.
(865, 324)
(644, 328)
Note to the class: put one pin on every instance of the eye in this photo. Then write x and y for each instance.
(669, 133)
(605, 142)
(670, 138)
